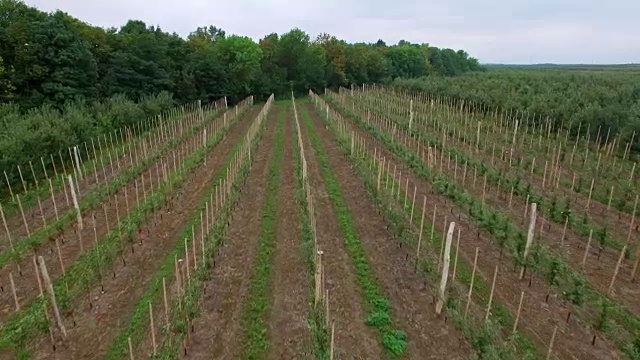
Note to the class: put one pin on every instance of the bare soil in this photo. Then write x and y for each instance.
(288, 333)
(217, 332)
(353, 338)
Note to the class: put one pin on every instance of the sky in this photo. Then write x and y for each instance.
(494, 31)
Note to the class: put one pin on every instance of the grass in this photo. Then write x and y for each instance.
(255, 341)
(393, 340)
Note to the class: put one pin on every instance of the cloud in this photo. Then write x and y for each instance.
(561, 31)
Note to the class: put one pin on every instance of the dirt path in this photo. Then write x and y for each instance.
(118, 205)
(288, 333)
(353, 339)
(218, 329)
(101, 315)
(540, 313)
(429, 337)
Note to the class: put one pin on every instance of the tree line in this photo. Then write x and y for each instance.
(63, 81)
(54, 58)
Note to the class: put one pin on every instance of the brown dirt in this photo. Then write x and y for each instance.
(429, 336)
(100, 315)
(353, 338)
(287, 332)
(218, 329)
(539, 316)
(70, 240)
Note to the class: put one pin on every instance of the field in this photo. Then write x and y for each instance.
(367, 223)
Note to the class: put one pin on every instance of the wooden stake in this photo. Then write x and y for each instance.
(530, 234)
(6, 228)
(424, 206)
(153, 330)
(11, 190)
(333, 330)
(455, 263)
(166, 305)
(24, 219)
(473, 277)
(75, 203)
(445, 268)
(515, 323)
(13, 290)
(493, 286)
(553, 338)
(52, 296)
(586, 250)
(130, 349)
(615, 272)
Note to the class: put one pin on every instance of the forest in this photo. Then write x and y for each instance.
(63, 81)
(603, 99)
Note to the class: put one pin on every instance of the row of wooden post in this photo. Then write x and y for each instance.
(447, 244)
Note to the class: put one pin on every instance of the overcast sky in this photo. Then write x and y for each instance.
(495, 31)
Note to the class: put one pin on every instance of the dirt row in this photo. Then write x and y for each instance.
(429, 336)
(217, 332)
(105, 172)
(98, 317)
(72, 242)
(543, 307)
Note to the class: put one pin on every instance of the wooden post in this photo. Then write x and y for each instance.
(493, 286)
(130, 349)
(164, 295)
(530, 233)
(455, 263)
(445, 268)
(13, 290)
(615, 272)
(553, 338)
(586, 249)
(633, 218)
(153, 330)
(590, 193)
(11, 190)
(333, 330)
(75, 203)
(473, 277)
(515, 323)
(424, 205)
(52, 296)
(6, 228)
